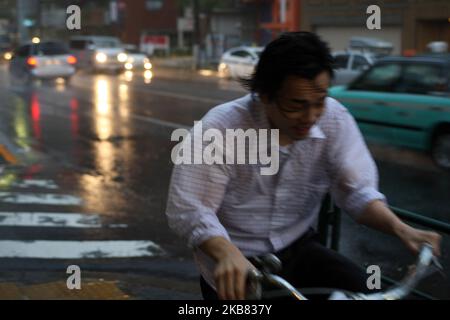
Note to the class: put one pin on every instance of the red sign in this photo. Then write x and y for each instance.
(158, 42)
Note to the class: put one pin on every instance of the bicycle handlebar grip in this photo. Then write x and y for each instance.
(272, 263)
(253, 290)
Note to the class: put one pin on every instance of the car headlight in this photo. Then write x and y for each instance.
(128, 66)
(7, 55)
(122, 57)
(148, 65)
(101, 57)
(222, 66)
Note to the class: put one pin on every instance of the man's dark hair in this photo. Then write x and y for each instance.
(301, 54)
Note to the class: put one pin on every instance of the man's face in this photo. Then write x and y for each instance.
(298, 105)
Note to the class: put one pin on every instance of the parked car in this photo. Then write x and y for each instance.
(44, 60)
(98, 53)
(239, 62)
(350, 64)
(371, 45)
(137, 60)
(404, 102)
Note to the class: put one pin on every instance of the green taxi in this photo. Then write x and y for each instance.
(403, 101)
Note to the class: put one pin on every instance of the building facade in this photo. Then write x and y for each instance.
(408, 24)
(148, 17)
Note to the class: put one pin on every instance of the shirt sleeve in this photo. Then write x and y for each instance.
(354, 173)
(196, 192)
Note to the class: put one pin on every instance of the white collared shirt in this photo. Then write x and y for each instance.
(261, 214)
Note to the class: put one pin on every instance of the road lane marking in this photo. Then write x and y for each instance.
(117, 226)
(46, 184)
(180, 96)
(56, 111)
(59, 220)
(160, 122)
(40, 219)
(36, 198)
(78, 249)
(139, 87)
(7, 155)
(164, 93)
(56, 108)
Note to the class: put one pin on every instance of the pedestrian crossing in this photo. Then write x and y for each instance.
(36, 198)
(77, 249)
(43, 219)
(41, 193)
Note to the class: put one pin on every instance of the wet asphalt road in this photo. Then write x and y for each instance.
(105, 139)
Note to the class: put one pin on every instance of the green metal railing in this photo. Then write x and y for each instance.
(423, 221)
(330, 224)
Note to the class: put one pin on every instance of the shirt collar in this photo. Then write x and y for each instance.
(316, 132)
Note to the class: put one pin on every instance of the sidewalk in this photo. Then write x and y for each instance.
(102, 286)
(99, 290)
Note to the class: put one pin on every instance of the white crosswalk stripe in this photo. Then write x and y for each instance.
(77, 249)
(40, 219)
(57, 220)
(61, 249)
(47, 184)
(38, 198)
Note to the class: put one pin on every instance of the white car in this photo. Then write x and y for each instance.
(99, 53)
(44, 60)
(350, 64)
(239, 62)
(137, 60)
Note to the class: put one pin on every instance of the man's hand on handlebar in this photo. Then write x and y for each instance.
(415, 238)
(231, 270)
(231, 274)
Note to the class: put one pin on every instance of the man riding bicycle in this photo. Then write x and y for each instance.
(230, 212)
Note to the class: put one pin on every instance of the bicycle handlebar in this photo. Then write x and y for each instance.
(425, 260)
(267, 265)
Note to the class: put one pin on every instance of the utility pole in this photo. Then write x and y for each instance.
(38, 18)
(196, 42)
(21, 28)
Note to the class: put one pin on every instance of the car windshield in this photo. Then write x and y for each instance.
(49, 49)
(107, 44)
